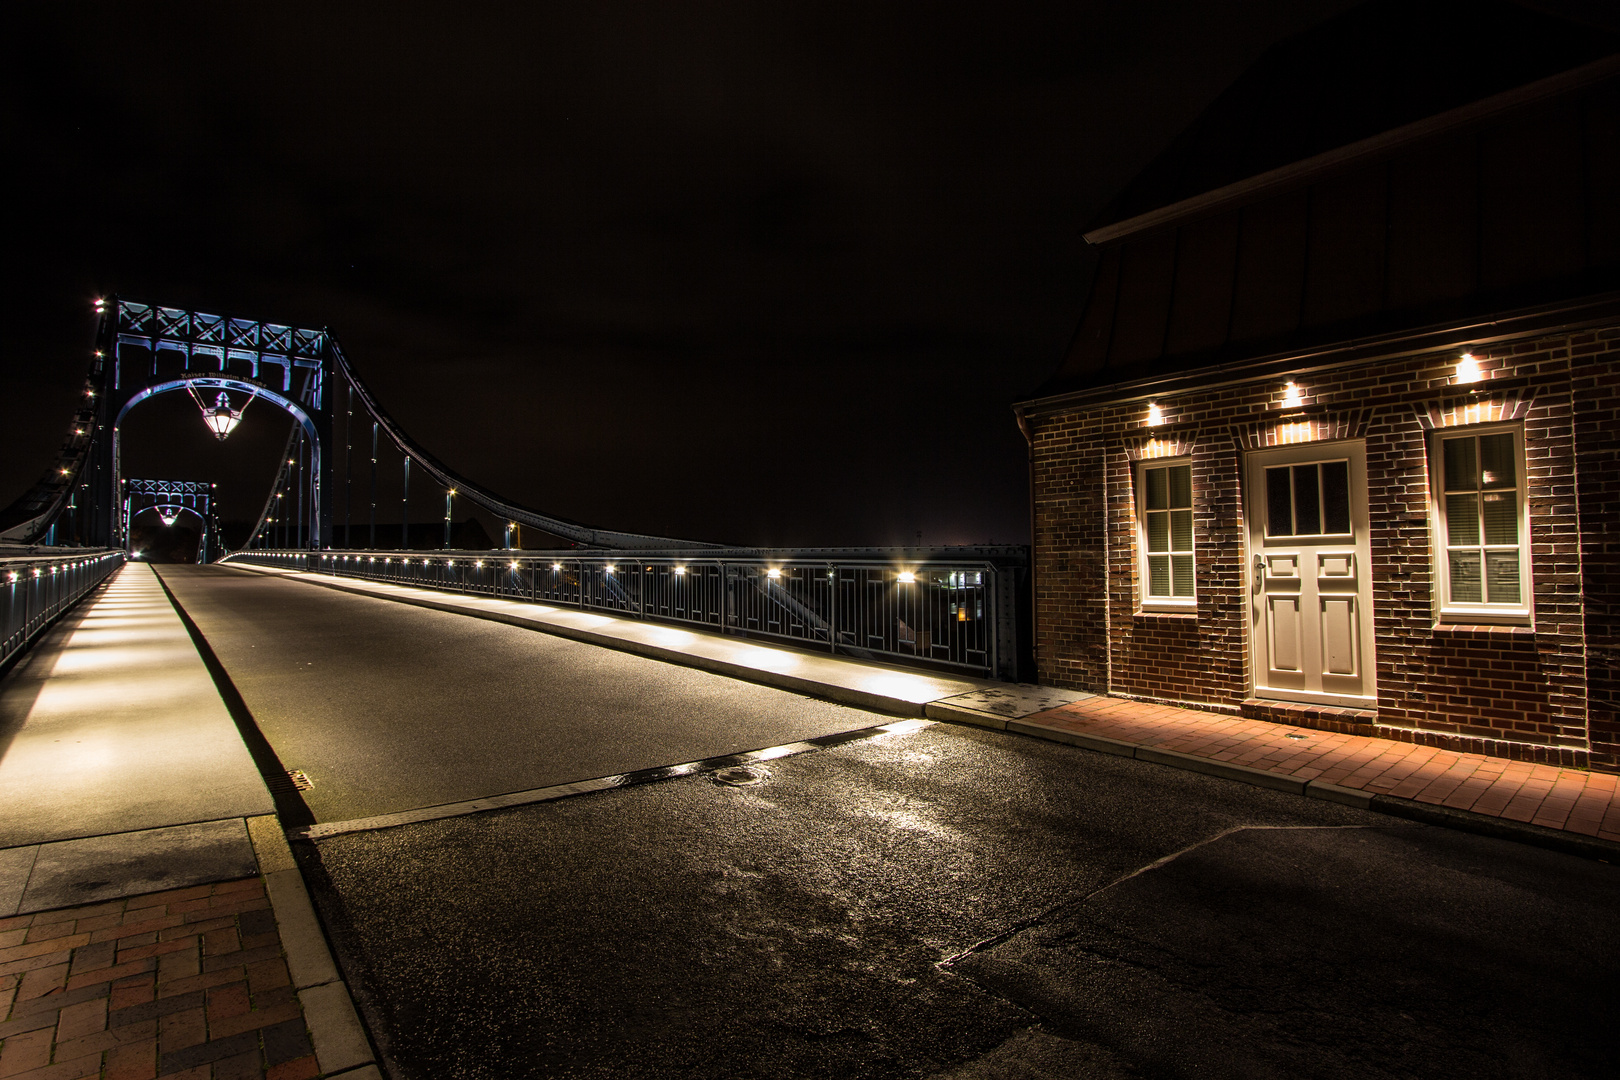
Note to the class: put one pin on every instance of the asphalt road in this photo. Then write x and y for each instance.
(390, 707)
(844, 918)
(948, 903)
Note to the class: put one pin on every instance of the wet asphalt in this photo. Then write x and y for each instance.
(945, 903)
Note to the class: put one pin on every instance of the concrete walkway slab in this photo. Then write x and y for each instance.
(112, 725)
(70, 873)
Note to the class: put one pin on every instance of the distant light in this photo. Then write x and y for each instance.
(449, 562)
(906, 577)
(680, 571)
(1291, 396)
(556, 566)
(514, 566)
(479, 564)
(64, 472)
(13, 575)
(1468, 369)
(773, 573)
(1155, 414)
(608, 568)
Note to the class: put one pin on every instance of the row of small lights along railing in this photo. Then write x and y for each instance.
(39, 588)
(936, 614)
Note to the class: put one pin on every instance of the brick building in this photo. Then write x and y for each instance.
(1338, 439)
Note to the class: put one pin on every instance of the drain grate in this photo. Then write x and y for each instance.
(299, 780)
(740, 777)
(1291, 735)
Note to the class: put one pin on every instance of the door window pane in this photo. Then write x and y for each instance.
(1279, 503)
(1335, 496)
(1307, 502)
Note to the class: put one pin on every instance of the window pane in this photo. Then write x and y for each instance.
(1180, 485)
(1501, 518)
(1336, 497)
(1465, 577)
(1156, 495)
(1462, 520)
(1181, 530)
(1502, 576)
(1461, 475)
(1307, 510)
(1279, 503)
(1158, 575)
(1496, 460)
(1183, 567)
(1158, 531)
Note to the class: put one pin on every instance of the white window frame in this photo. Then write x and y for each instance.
(1144, 575)
(1447, 610)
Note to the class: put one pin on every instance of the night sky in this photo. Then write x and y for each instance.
(757, 273)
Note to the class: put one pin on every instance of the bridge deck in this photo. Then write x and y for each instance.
(391, 707)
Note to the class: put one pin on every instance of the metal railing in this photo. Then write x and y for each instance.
(951, 609)
(37, 587)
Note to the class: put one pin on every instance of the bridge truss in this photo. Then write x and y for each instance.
(143, 350)
(170, 499)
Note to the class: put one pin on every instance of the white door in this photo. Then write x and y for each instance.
(1310, 588)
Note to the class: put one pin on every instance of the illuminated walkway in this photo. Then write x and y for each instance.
(109, 729)
(1343, 767)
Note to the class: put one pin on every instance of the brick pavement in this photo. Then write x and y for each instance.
(184, 984)
(1548, 795)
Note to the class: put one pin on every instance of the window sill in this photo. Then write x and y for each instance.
(1180, 611)
(1472, 624)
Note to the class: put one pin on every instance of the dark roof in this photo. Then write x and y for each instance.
(1405, 165)
(1378, 66)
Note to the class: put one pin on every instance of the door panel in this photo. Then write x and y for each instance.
(1308, 531)
(1285, 634)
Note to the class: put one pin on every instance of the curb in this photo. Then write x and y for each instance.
(842, 695)
(1589, 847)
(341, 1045)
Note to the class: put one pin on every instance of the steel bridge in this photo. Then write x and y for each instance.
(954, 608)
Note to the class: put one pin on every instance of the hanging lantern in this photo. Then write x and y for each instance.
(169, 515)
(220, 417)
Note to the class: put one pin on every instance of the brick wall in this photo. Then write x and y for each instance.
(1511, 691)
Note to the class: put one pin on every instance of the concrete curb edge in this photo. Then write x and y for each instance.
(341, 1043)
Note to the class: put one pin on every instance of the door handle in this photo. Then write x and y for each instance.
(1259, 566)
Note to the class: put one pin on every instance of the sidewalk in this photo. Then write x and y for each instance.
(1378, 773)
(152, 921)
(1544, 804)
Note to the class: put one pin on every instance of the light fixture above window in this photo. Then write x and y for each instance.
(1468, 369)
(1292, 399)
(1155, 414)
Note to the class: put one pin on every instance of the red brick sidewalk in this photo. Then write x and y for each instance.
(1557, 798)
(189, 983)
